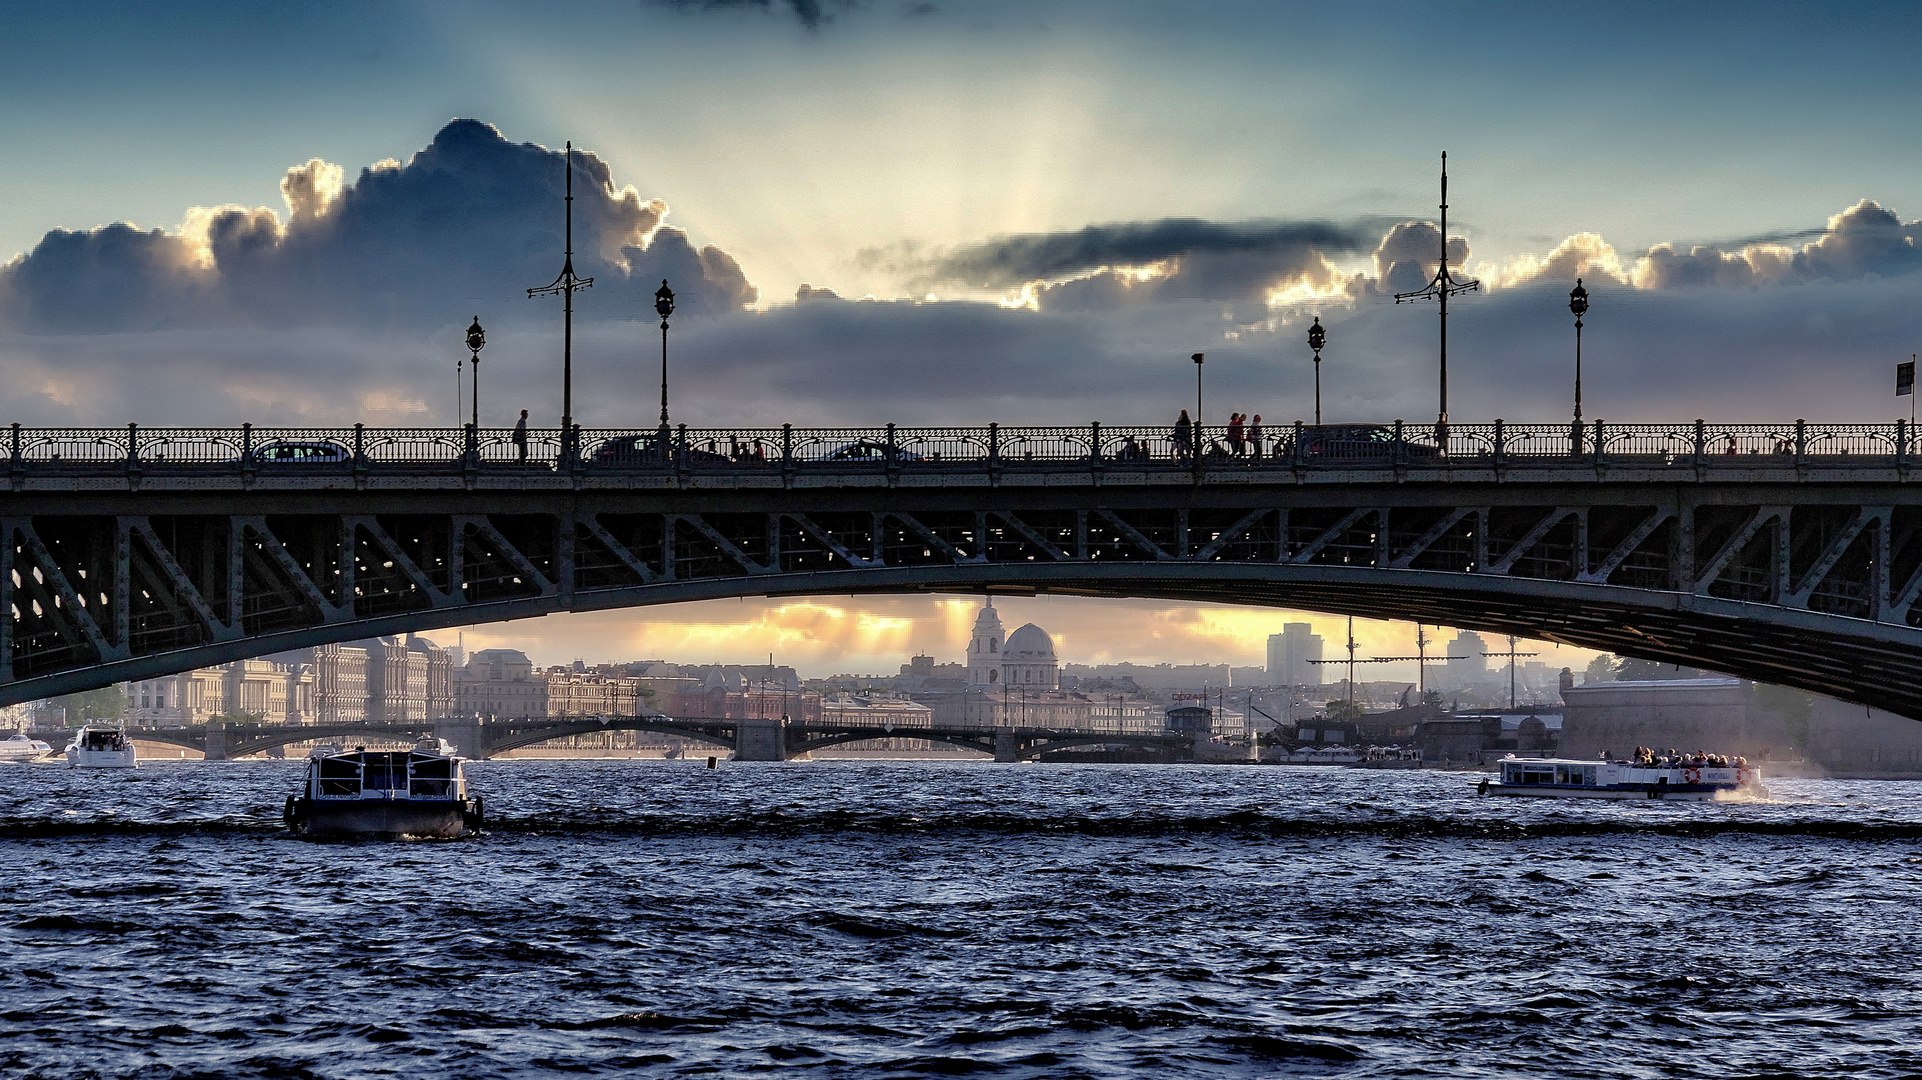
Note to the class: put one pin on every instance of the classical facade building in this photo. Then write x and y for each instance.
(599, 691)
(500, 683)
(374, 681)
(411, 680)
(258, 690)
(340, 673)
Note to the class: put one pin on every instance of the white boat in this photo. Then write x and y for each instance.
(21, 748)
(100, 745)
(384, 793)
(1320, 755)
(1675, 781)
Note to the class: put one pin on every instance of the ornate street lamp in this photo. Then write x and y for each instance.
(1317, 337)
(1198, 358)
(664, 306)
(476, 341)
(1577, 303)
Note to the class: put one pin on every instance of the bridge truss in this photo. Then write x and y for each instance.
(1795, 559)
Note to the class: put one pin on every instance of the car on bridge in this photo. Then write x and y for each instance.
(871, 450)
(318, 452)
(1370, 443)
(646, 452)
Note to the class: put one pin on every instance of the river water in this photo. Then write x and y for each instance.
(905, 919)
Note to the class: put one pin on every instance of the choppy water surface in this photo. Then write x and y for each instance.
(862, 919)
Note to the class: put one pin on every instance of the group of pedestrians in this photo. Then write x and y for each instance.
(1243, 438)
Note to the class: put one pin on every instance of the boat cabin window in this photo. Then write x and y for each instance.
(385, 772)
(1528, 774)
(432, 778)
(339, 776)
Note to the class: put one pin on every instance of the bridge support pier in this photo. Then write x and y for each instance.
(463, 733)
(216, 748)
(1005, 747)
(760, 740)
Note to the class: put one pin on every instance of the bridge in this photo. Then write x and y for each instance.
(1787, 553)
(747, 739)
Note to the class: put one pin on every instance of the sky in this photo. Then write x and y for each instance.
(952, 212)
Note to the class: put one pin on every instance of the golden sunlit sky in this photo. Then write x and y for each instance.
(875, 635)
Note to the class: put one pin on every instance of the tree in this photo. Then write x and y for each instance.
(1599, 670)
(106, 703)
(1341, 711)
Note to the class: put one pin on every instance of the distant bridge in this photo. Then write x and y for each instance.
(748, 739)
(1786, 553)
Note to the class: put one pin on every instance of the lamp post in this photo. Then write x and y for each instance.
(1197, 358)
(565, 286)
(1577, 303)
(1442, 286)
(476, 341)
(664, 306)
(1317, 337)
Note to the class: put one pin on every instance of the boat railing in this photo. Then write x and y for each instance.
(352, 776)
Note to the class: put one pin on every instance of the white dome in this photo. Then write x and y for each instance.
(1030, 643)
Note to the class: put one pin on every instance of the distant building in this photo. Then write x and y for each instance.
(499, 683)
(984, 648)
(1028, 661)
(579, 690)
(1687, 714)
(406, 681)
(1466, 666)
(261, 690)
(1291, 656)
(340, 673)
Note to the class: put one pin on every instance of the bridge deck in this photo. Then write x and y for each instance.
(1796, 559)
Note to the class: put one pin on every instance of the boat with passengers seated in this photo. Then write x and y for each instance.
(418, 792)
(1678, 778)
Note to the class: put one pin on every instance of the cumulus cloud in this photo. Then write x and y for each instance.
(1239, 264)
(1863, 240)
(1407, 257)
(471, 215)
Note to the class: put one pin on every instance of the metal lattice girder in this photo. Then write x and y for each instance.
(1812, 582)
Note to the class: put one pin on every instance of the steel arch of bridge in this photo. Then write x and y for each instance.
(1797, 568)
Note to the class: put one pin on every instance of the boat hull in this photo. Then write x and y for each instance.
(1638, 794)
(379, 817)
(101, 759)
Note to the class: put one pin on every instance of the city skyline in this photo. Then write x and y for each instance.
(823, 636)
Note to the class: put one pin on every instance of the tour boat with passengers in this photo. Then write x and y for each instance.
(418, 792)
(100, 745)
(1679, 778)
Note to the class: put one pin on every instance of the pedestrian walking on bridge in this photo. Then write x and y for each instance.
(520, 438)
(1184, 437)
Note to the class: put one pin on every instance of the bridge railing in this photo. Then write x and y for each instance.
(789, 450)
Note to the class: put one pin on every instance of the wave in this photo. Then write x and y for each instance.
(1241, 823)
